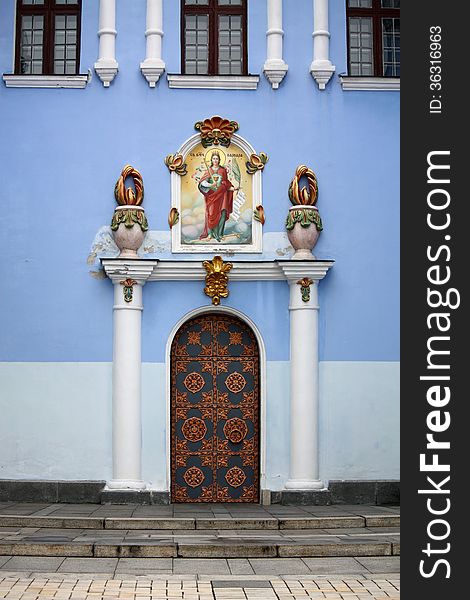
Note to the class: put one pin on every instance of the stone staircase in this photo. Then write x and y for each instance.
(211, 531)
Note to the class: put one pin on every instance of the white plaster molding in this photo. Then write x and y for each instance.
(274, 68)
(262, 381)
(106, 66)
(192, 270)
(118, 268)
(321, 68)
(376, 84)
(153, 66)
(46, 81)
(213, 82)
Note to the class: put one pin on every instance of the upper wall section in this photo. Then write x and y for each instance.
(64, 149)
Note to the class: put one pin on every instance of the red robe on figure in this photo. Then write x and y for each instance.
(216, 200)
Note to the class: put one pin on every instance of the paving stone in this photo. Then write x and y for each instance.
(243, 583)
(279, 566)
(381, 565)
(342, 549)
(33, 563)
(383, 521)
(240, 566)
(149, 523)
(327, 566)
(396, 548)
(88, 565)
(3, 560)
(236, 523)
(45, 549)
(201, 567)
(128, 565)
(321, 522)
(151, 550)
(226, 550)
(46, 521)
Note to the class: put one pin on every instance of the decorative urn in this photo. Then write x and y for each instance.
(303, 222)
(129, 222)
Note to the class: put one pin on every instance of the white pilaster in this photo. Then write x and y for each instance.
(304, 459)
(106, 65)
(127, 417)
(321, 68)
(274, 68)
(153, 65)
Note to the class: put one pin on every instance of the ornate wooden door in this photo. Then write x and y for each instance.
(215, 411)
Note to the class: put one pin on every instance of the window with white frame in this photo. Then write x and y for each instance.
(373, 38)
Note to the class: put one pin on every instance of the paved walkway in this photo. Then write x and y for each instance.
(226, 511)
(72, 587)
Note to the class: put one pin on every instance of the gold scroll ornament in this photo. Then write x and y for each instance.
(216, 279)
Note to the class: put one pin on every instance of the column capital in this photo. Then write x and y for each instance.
(118, 269)
(297, 269)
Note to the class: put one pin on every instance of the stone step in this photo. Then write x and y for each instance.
(179, 523)
(218, 549)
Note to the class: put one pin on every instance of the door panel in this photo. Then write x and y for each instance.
(215, 411)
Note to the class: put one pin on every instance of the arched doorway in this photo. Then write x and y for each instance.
(215, 405)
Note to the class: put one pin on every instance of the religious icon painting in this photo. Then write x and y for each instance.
(216, 191)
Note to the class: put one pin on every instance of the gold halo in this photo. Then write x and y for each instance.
(207, 156)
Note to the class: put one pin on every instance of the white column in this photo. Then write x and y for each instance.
(304, 392)
(321, 68)
(106, 65)
(274, 68)
(127, 419)
(153, 65)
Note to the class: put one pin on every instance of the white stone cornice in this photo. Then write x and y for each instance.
(213, 82)
(274, 68)
(191, 270)
(321, 68)
(153, 66)
(140, 270)
(373, 84)
(297, 269)
(46, 81)
(106, 66)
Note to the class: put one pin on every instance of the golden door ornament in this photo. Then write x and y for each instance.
(216, 279)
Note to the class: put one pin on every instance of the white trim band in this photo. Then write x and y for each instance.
(213, 82)
(46, 81)
(373, 84)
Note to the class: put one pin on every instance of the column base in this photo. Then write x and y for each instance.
(125, 484)
(304, 484)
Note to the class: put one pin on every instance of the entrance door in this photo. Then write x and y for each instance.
(215, 411)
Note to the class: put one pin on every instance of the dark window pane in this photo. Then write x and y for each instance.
(360, 3)
(390, 47)
(31, 44)
(196, 44)
(361, 56)
(390, 3)
(65, 45)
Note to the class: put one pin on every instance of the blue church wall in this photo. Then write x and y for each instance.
(61, 153)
